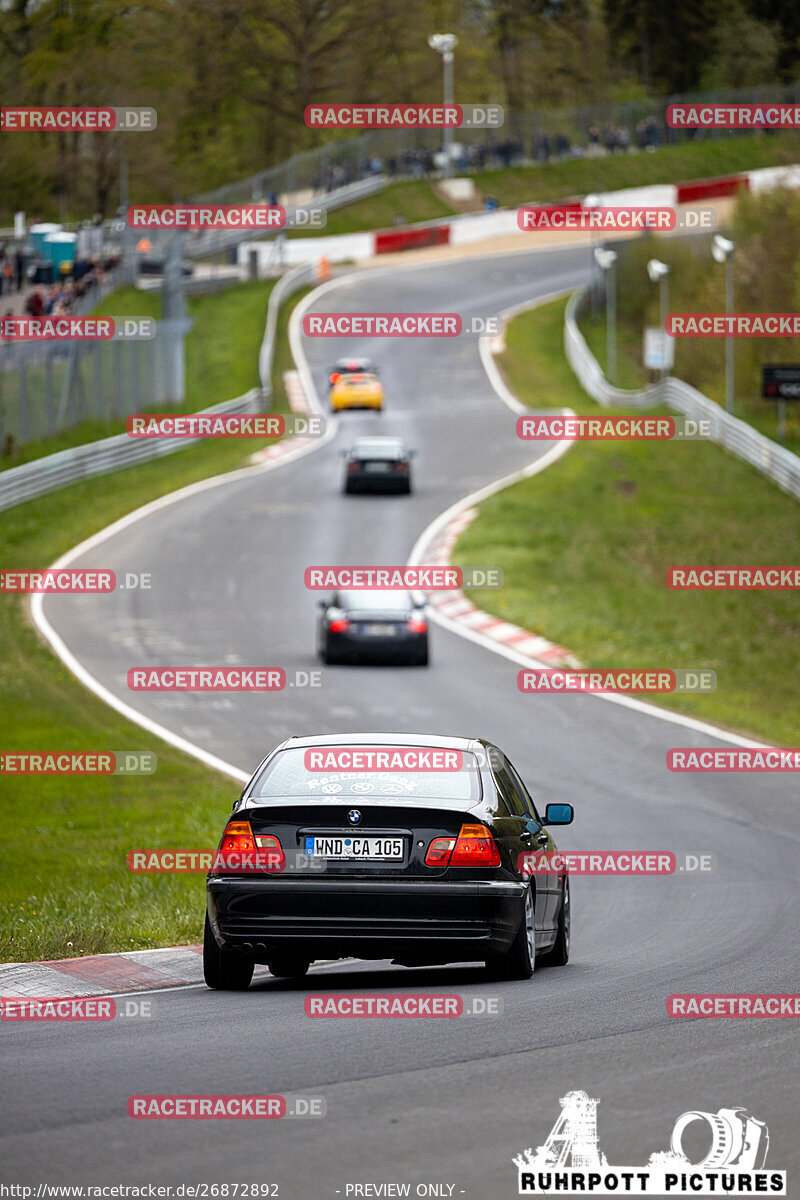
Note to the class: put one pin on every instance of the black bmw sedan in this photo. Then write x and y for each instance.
(403, 846)
(372, 627)
(377, 464)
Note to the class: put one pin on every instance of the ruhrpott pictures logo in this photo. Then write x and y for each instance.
(570, 1162)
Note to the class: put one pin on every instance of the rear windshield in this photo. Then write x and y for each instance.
(376, 450)
(354, 365)
(389, 601)
(286, 775)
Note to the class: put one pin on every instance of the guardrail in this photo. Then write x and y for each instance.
(43, 475)
(286, 285)
(776, 462)
(215, 241)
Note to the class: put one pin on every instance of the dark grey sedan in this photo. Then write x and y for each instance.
(377, 464)
(372, 627)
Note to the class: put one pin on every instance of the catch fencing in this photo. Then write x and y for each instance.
(43, 475)
(525, 137)
(47, 388)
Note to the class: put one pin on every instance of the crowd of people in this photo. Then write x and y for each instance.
(510, 151)
(62, 297)
(55, 299)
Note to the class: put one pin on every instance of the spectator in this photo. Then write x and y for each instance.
(34, 305)
(19, 268)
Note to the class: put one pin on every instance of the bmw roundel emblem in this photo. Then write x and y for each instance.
(354, 816)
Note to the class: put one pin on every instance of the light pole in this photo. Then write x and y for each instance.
(605, 260)
(722, 252)
(445, 44)
(591, 202)
(659, 273)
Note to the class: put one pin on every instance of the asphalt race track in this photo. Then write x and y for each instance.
(426, 1101)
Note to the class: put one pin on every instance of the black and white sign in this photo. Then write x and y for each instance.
(780, 383)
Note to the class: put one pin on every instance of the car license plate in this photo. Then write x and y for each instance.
(379, 630)
(375, 467)
(380, 848)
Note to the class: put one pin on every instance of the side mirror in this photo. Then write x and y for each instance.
(558, 814)
(412, 454)
(322, 604)
(343, 453)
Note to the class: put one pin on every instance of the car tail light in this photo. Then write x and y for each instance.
(238, 837)
(439, 852)
(339, 625)
(401, 466)
(241, 850)
(353, 466)
(334, 377)
(417, 625)
(474, 847)
(271, 854)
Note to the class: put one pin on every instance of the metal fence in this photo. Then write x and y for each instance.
(204, 243)
(49, 387)
(25, 482)
(776, 462)
(527, 137)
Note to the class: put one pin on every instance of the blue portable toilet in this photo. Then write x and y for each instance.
(60, 248)
(37, 234)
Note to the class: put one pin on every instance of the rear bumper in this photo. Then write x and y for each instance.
(369, 481)
(360, 647)
(431, 921)
(361, 403)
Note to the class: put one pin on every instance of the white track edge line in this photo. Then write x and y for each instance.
(81, 673)
(63, 652)
(429, 533)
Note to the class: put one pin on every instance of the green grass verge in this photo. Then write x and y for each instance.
(670, 164)
(585, 548)
(65, 889)
(219, 359)
(630, 372)
(417, 200)
(413, 200)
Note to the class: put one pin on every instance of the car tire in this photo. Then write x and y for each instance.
(288, 968)
(422, 659)
(224, 970)
(558, 956)
(519, 961)
(349, 489)
(329, 659)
